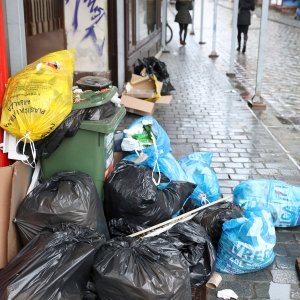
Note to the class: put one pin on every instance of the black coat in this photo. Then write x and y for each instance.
(183, 16)
(244, 16)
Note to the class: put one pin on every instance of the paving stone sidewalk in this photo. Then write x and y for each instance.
(205, 115)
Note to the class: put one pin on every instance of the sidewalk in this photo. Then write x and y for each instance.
(273, 15)
(205, 115)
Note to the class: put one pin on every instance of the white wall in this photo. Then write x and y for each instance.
(86, 29)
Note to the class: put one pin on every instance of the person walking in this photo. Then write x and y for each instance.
(244, 21)
(183, 17)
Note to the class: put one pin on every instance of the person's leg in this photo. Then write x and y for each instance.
(180, 32)
(245, 39)
(239, 37)
(185, 26)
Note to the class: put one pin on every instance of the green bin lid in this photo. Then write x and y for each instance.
(92, 98)
(94, 83)
(107, 125)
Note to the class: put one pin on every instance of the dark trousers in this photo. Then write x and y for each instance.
(242, 29)
(183, 29)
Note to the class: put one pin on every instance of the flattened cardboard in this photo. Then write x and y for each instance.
(142, 87)
(140, 106)
(143, 107)
(164, 100)
(20, 183)
(5, 195)
(14, 183)
(137, 106)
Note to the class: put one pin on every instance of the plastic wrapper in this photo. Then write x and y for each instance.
(135, 269)
(67, 197)
(280, 198)
(56, 264)
(39, 97)
(162, 140)
(213, 217)
(247, 243)
(195, 246)
(130, 193)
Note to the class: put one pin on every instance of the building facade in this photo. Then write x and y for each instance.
(109, 36)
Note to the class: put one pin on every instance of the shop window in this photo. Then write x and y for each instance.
(143, 20)
(146, 18)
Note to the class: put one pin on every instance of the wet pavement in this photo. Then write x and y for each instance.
(206, 114)
(281, 80)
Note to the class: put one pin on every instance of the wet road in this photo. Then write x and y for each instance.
(281, 75)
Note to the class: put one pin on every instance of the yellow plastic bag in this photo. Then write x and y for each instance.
(38, 98)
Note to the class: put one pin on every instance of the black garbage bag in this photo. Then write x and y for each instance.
(120, 227)
(141, 269)
(56, 264)
(213, 217)
(46, 146)
(100, 112)
(90, 292)
(195, 246)
(67, 197)
(159, 69)
(130, 193)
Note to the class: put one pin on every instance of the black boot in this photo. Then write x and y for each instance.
(239, 42)
(245, 43)
(244, 48)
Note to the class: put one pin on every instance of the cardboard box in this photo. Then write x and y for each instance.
(15, 180)
(143, 86)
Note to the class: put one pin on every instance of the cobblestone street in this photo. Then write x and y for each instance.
(205, 115)
(280, 87)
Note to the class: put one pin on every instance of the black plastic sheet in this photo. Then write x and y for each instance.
(135, 269)
(120, 227)
(68, 128)
(67, 197)
(130, 193)
(213, 217)
(100, 112)
(195, 246)
(56, 264)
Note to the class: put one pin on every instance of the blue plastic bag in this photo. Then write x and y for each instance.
(280, 198)
(247, 243)
(159, 158)
(198, 170)
(162, 139)
(167, 164)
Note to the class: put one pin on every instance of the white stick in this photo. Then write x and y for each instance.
(184, 217)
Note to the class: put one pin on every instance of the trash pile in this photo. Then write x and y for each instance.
(149, 87)
(86, 222)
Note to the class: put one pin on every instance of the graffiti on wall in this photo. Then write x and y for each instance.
(86, 26)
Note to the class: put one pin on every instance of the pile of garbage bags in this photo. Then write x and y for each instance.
(77, 247)
(157, 155)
